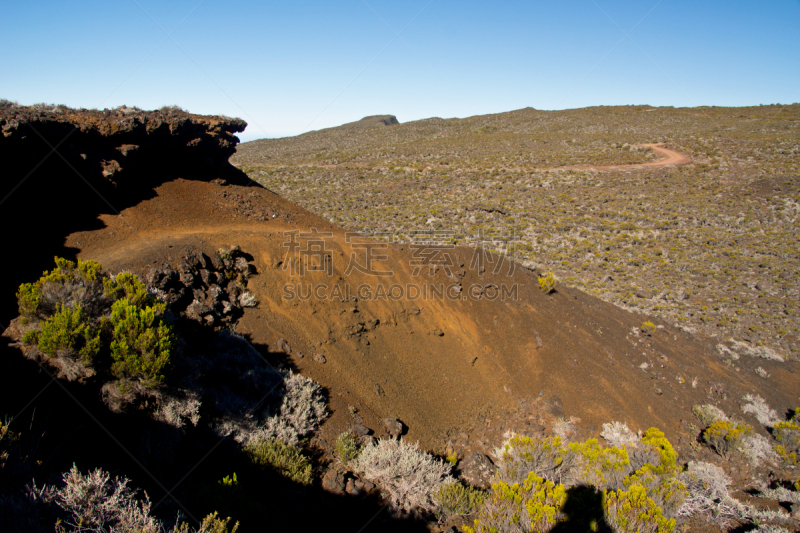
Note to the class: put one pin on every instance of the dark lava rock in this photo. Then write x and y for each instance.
(477, 470)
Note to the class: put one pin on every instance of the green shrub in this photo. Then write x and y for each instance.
(30, 298)
(142, 342)
(726, 436)
(347, 447)
(68, 330)
(282, 458)
(456, 498)
(127, 285)
(535, 505)
(547, 283)
(708, 414)
(633, 511)
(210, 524)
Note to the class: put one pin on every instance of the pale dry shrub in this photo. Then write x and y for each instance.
(708, 414)
(563, 428)
(519, 455)
(94, 502)
(758, 449)
(408, 478)
(757, 406)
(302, 409)
(180, 409)
(709, 497)
(763, 352)
(617, 434)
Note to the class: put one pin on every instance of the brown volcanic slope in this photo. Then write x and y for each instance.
(498, 364)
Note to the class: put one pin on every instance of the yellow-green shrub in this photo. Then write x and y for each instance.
(547, 283)
(534, 505)
(726, 436)
(788, 436)
(30, 297)
(281, 458)
(648, 328)
(633, 510)
(456, 498)
(127, 285)
(347, 447)
(67, 330)
(142, 342)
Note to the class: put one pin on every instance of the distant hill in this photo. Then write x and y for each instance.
(372, 121)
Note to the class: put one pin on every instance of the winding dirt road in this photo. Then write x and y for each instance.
(669, 157)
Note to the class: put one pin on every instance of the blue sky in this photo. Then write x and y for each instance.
(290, 67)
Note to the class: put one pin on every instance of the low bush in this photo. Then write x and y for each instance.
(69, 333)
(633, 510)
(788, 436)
(142, 343)
(708, 414)
(66, 285)
(456, 498)
(347, 447)
(636, 480)
(408, 478)
(617, 434)
(648, 328)
(725, 437)
(547, 283)
(210, 524)
(534, 505)
(93, 502)
(758, 407)
(282, 458)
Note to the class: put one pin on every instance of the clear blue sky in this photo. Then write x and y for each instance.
(289, 67)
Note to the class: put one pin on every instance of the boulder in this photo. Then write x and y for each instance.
(477, 470)
(393, 427)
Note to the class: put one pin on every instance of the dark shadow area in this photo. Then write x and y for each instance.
(64, 423)
(97, 168)
(584, 511)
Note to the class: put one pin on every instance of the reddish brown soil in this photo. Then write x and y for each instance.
(498, 364)
(669, 157)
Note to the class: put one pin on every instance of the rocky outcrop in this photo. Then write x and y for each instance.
(116, 143)
(62, 169)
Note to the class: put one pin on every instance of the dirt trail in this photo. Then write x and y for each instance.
(670, 157)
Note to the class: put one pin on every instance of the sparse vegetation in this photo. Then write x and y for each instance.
(710, 246)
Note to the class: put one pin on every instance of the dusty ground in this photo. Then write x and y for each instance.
(460, 370)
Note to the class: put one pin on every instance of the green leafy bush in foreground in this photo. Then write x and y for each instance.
(68, 330)
(142, 342)
(285, 459)
(86, 321)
